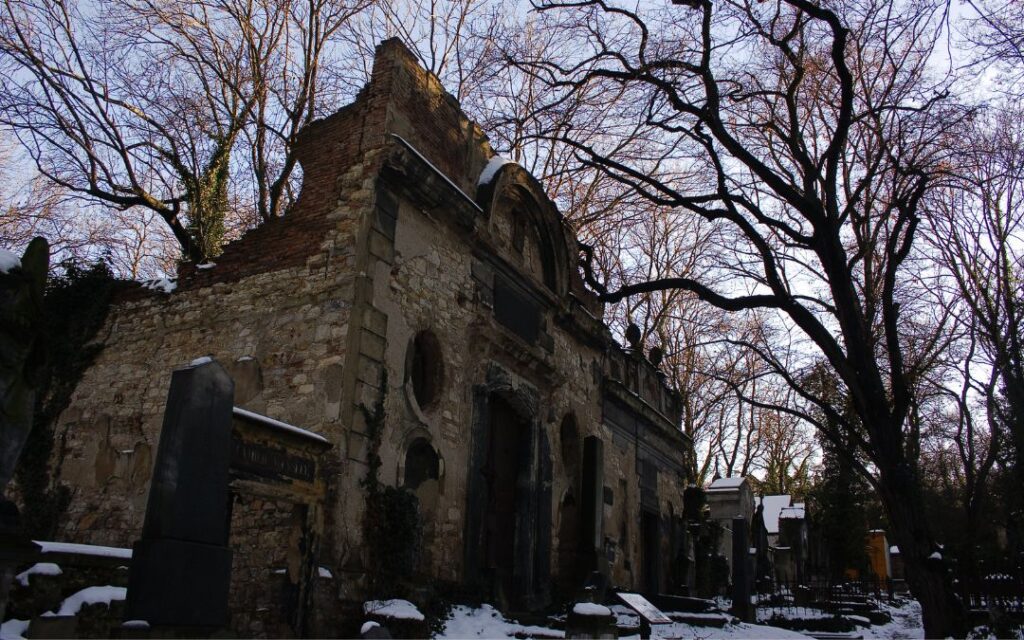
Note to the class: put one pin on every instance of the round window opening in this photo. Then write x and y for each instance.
(426, 369)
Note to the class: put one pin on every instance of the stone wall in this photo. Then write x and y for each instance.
(399, 275)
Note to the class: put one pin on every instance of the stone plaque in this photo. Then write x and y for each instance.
(270, 462)
(642, 606)
(268, 453)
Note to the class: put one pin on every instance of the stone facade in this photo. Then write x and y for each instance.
(415, 271)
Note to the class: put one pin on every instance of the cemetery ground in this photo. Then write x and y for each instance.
(48, 600)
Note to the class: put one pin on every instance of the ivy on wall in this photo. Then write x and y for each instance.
(393, 529)
(76, 306)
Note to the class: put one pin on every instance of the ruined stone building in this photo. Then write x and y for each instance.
(420, 274)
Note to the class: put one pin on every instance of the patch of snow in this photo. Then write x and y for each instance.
(8, 261)
(624, 616)
(935, 556)
(766, 613)
(14, 629)
(726, 484)
(324, 572)
(591, 609)
(206, 265)
(396, 609)
(796, 512)
(135, 624)
(437, 171)
(369, 624)
(89, 595)
(245, 359)
(732, 631)
(83, 549)
(906, 623)
(198, 362)
(38, 569)
(487, 622)
(277, 424)
(494, 165)
(893, 549)
(163, 285)
(773, 505)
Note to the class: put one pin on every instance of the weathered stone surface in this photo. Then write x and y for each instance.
(323, 303)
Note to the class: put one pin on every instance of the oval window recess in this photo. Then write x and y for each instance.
(425, 369)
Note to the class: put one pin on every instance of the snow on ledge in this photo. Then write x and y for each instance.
(13, 628)
(395, 609)
(38, 569)
(370, 624)
(83, 549)
(494, 165)
(8, 260)
(163, 285)
(590, 609)
(277, 424)
(89, 595)
(437, 171)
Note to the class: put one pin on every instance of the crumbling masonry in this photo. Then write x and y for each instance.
(539, 449)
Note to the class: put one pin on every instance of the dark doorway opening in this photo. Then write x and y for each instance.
(650, 553)
(505, 461)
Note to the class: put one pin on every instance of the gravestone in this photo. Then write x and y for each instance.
(649, 614)
(21, 362)
(21, 357)
(181, 567)
(741, 606)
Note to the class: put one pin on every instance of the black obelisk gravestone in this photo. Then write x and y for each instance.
(741, 571)
(181, 567)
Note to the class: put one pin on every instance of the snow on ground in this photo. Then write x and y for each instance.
(13, 629)
(906, 623)
(38, 569)
(679, 631)
(487, 622)
(396, 609)
(906, 620)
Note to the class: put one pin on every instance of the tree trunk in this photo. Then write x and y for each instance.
(942, 610)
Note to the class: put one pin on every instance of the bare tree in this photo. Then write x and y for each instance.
(815, 135)
(996, 35)
(134, 246)
(978, 234)
(139, 104)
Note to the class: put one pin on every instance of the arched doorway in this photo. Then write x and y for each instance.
(505, 457)
(508, 496)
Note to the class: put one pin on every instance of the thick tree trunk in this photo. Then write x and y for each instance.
(942, 610)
